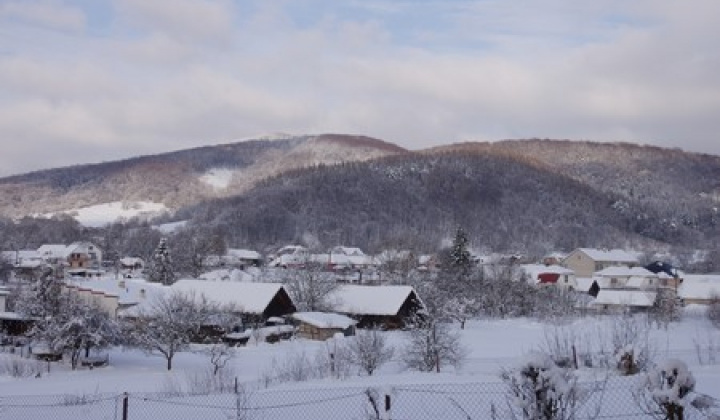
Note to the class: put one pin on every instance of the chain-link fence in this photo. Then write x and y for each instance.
(457, 401)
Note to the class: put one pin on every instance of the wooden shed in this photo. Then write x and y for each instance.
(322, 325)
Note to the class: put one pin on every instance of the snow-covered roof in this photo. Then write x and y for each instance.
(128, 291)
(625, 297)
(426, 259)
(54, 251)
(699, 286)
(626, 272)
(610, 255)
(23, 254)
(324, 319)
(370, 300)
(131, 261)
(225, 274)
(346, 250)
(14, 316)
(534, 270)
(244, 254)
(292, 249)
(252, 298)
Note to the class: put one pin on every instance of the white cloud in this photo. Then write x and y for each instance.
(170, 74)
(189, 20)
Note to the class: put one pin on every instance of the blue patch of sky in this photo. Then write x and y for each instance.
(100, 16)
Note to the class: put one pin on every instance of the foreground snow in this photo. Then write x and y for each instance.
(491, 345)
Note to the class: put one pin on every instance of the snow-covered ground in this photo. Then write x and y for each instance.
(218, 178)
(491, 345)
(103, 214)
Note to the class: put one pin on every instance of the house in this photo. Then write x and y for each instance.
(550, 275)
(26, 264)
(75, 255)
(586, 261)
(428, 262)
(115, 296)
(105, 300)
(619, 300)
(390, 307)
(131, 263)
(242, 258)
(699, 289)
(322, 325)
(291, 256)
(554, 258)
(12, 323)
(254, 302)
(629, 278)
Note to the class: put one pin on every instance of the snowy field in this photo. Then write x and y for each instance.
(472, 391)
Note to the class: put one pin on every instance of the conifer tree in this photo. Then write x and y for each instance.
(161, 265)
(459, 255)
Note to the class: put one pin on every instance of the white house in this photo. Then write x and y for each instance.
(75, 255)
(629, 278)
(699, 289)
(586, 261)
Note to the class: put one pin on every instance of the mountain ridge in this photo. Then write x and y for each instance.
(330, 189)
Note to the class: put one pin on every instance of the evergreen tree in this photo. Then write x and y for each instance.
(459, 254)
(161, 265)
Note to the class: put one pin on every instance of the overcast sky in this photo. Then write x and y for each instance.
(97, 80)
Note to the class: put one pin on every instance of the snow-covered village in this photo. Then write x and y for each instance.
(594, 333)
(359, 210)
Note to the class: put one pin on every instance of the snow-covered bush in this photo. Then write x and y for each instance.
(433, 344)
(18, 367)
(369, 350)
(541, 390)
(666, 391)
(631, 348)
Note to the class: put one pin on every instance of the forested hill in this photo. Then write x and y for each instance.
(180, 178)
(510, 197)
(522, 196)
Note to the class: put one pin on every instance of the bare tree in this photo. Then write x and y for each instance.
(68, 324)
(713, 311)
(432, 344)
(369, 350)
(311, 288)
(170, 322)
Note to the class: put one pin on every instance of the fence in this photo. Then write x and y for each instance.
(456, 401)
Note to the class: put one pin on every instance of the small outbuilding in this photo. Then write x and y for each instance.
(322, 325)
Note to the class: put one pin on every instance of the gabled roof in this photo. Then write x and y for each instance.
(54, 251)
(534, 270)
(324, 319)
(638, 298)
(245, 254)
(250, 298)
(625, 272)
(610, 255)
(371, 300)
(346, 250)
(128, 291)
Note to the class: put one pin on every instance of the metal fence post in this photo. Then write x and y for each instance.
(125, 406)
(388, 406)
